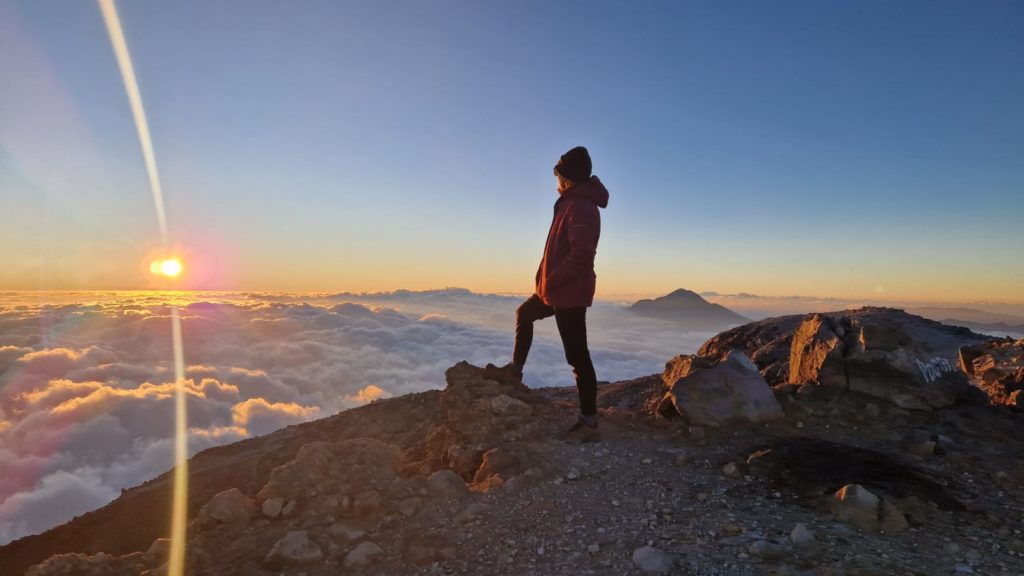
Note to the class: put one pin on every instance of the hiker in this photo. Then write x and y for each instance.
(565, 285)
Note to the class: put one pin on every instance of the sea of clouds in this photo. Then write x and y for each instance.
(87, 385)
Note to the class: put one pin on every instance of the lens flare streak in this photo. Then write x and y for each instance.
(170, 267)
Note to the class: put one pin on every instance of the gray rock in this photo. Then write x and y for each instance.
(447, 483)
(855, 504)
(651, 560)
(294, 548)
(730, 392)
(882, 352)
(362, 555)
(346, 532)
(801, 535)
(893, 519)
(271, 507)
(227, 507)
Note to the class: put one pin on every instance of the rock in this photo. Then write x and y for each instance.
(160, 547)
(505, 405)
(731, 470)
(226, 507)
(926, 448)
(271, 507)
(447, 483)
(410, 506)
(651, 560)
(294, 548)
(893, 519)
(366, 502)
(593, 548)
(363, 555)
(882, 352)
(731, 392)
(856, 504)
(572, 474)
(289, 509)
(501, 460)
(801, 535)
(345, 531)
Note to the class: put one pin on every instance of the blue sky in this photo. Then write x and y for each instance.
(820, 148)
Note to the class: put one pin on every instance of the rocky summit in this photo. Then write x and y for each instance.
(860, 442)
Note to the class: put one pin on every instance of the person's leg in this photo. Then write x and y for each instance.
(572, 327)
(530, 311)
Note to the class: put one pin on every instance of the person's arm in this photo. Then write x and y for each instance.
(584, 228)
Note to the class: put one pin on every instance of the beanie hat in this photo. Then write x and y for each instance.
(575, 165)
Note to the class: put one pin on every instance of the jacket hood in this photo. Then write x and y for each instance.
(591, 189)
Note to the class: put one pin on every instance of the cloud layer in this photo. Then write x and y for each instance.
(87, 393)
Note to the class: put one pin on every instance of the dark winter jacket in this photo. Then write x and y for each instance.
(566, 276)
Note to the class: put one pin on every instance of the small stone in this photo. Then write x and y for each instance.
(294, 548)
(731, 470)
(410, 506)
(593, 548)
(926, 448)
(651, 560)
(573, 474)
(801, 535)
(349, 533)
(271, 507)
(447, 482)
(799, 424)
(289, 509)
(160, 547)
(856, 504)
(362, 555)
(646, 461)
(540, 551)
(893, 519)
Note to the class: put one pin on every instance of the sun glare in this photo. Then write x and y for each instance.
(170, 267)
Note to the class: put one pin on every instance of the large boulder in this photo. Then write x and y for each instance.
(882, 352)
(227, 507)
(729, 392)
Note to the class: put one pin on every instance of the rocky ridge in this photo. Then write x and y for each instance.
(802, 474)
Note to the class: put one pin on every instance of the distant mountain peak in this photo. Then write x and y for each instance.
(690, 309)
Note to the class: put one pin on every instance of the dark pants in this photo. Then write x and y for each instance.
(572, 327)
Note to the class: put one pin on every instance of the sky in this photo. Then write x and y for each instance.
(830, 149)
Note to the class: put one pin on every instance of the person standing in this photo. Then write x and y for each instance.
(565, 284)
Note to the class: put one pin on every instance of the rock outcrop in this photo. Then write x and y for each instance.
(997, 367)
(881, 352)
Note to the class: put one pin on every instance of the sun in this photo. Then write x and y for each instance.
(170, 267)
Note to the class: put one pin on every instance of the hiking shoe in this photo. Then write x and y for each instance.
(583, 432)
(508, 374)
